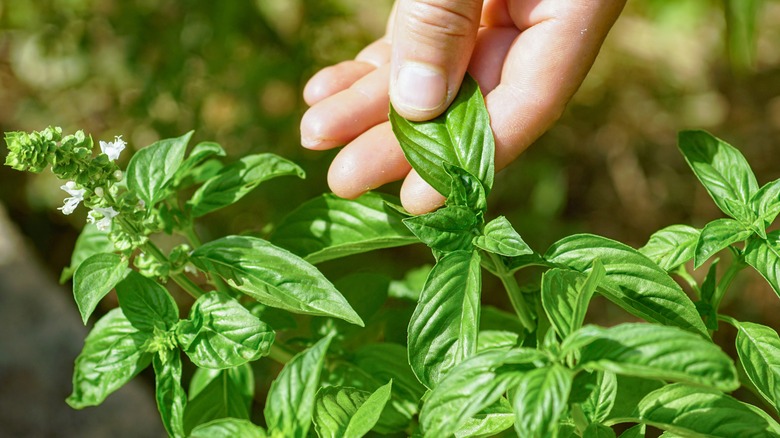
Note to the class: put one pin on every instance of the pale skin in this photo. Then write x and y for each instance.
(528, 56)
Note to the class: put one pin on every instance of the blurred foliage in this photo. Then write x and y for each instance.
(234, 71)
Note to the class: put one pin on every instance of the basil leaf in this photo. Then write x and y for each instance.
(461, 136)
(94, 279)
(540, 400)
(465, 190)
(443, 329)
(91, 241)
(596, 430)
(447, 229)
(200, 153)
(471, 386)
(656, 352)
(499, 237)
(220, 333)
(637, 431)
(411, 285)
(152, 168)
(766, 202)
(671, 246)
(348, 412)
(717, 235)
(602, 399)
(228, 428)
(488, 422)
(146, 303)
(224, 396)
(290, 402)
(630, 390)
(111, 356)
(764, 256)
(329, 227)
(492, 339)
(236, 180)
(566, 295)
(723, 171)
(242, 377)
(171, 399)
(758, 347)
(678, 408)
(633, 281)
(255, 267)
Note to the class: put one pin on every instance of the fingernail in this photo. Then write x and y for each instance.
(419, 87)
(310, 142)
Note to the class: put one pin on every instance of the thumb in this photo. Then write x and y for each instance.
(432, 45)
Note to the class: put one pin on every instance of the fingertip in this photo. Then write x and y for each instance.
(418, 197)
(330, 80)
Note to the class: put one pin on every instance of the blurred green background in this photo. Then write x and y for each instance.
(233, 71)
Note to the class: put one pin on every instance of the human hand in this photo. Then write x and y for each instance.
(528, 56)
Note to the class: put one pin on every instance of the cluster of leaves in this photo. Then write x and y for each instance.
(430, 359)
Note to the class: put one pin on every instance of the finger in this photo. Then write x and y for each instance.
(432, 44)
(340, 118)
(417, 196)
(376, 53)
(333, 79)
(373, 159)
(544, 68)
(493, 43)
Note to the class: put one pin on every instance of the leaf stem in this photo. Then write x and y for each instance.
(683, 273)
(514, 293)
(182, 280)
(279, 354)
(192, 236)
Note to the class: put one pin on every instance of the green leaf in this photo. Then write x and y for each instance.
(540, 400)
(220, 333)
(566, 295)
(443, 329)
(492, 318)
(656, 352)
(637, 431)
(447, 229)
(236, 180)
(111, 356)
(602, 399)
(91, 241)
(224, 396)
(717, 235)
(290, 403)
(242, 377)
(596, 430)
(94, 278)
(489, 422)
(723, 171)
(465, 190)
(766, 202)
(171, 399)
(372, 366)
(696, 411)
(200, 153)
(632, 281)
(758, 347)
(348, 412)
(146, 303)
(228, 428)
(330, 227)
(500, 238)
(671, 246)
(489, 339)
(411, 285)
(461, 136)
(764, 256)
(473, 385)
(152, 168)
(630, 391)
(273, 276)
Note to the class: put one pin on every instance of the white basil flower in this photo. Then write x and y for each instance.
(105, 223)
(113, 148)
(75, 198)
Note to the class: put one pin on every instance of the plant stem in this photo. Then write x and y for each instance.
(726, 280)
(514, 293)
(182, 280)
(192, 236)
(683, 273)
(280, 354)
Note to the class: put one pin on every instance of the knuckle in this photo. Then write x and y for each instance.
(430, 19)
